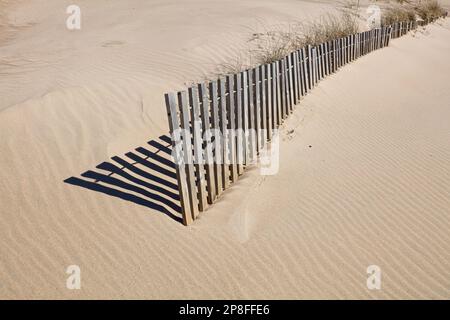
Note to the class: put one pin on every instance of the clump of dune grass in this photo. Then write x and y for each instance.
(272, 46)
(398, 13)
(275, 45)
(232, 66)
(429, 10)
(328, 28)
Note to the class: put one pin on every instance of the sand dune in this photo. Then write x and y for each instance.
(363, 177)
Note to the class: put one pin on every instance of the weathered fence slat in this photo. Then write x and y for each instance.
(231, 111)
(279, 94)
(295, 77)
(269, 101)
(205, 115)
(258, 108)
(315, 66)
(334, 55)
(224, 131)
(262, 119)
(339, 56)
(217, 152)
(309, 65)
(175, 129)
(198, 148)
(322, 60)
(283, 88)
(239, 124)
(303, 72)
(245, 106)
(251, 113)
(187, 152)
(319, 62)
(289, 83)
(345, 51)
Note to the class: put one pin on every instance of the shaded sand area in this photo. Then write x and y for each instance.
(364, 163)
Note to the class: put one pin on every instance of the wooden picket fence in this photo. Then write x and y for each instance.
(219, 128)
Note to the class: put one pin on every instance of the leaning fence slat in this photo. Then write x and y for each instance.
(353, 39)
(322, 60)
(349, 49)
(251, 114)
(231, 111)
(295, 85)
(218, 149)
(287, 91)
(342, 40)
(309, 65)
(224, 130)
(274, 104)
(314, 65)
(327, 66)
(345, 47)
(258, 108)
(279, 94)
(262, 115)
(175, 130)
(333, 57)
(303, 70)
(339, 53)
(364, 43)
(358, 45)
(187, 152)
(196, 124)
(319, 62)
(245, 97)
(239, 124)
(205, 115)
(269, 100)
(283, 88)
(299, 75)
(289, 82)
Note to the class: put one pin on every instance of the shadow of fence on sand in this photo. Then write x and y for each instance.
(145, 176)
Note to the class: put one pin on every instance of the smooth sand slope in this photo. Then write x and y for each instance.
(365, 163)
